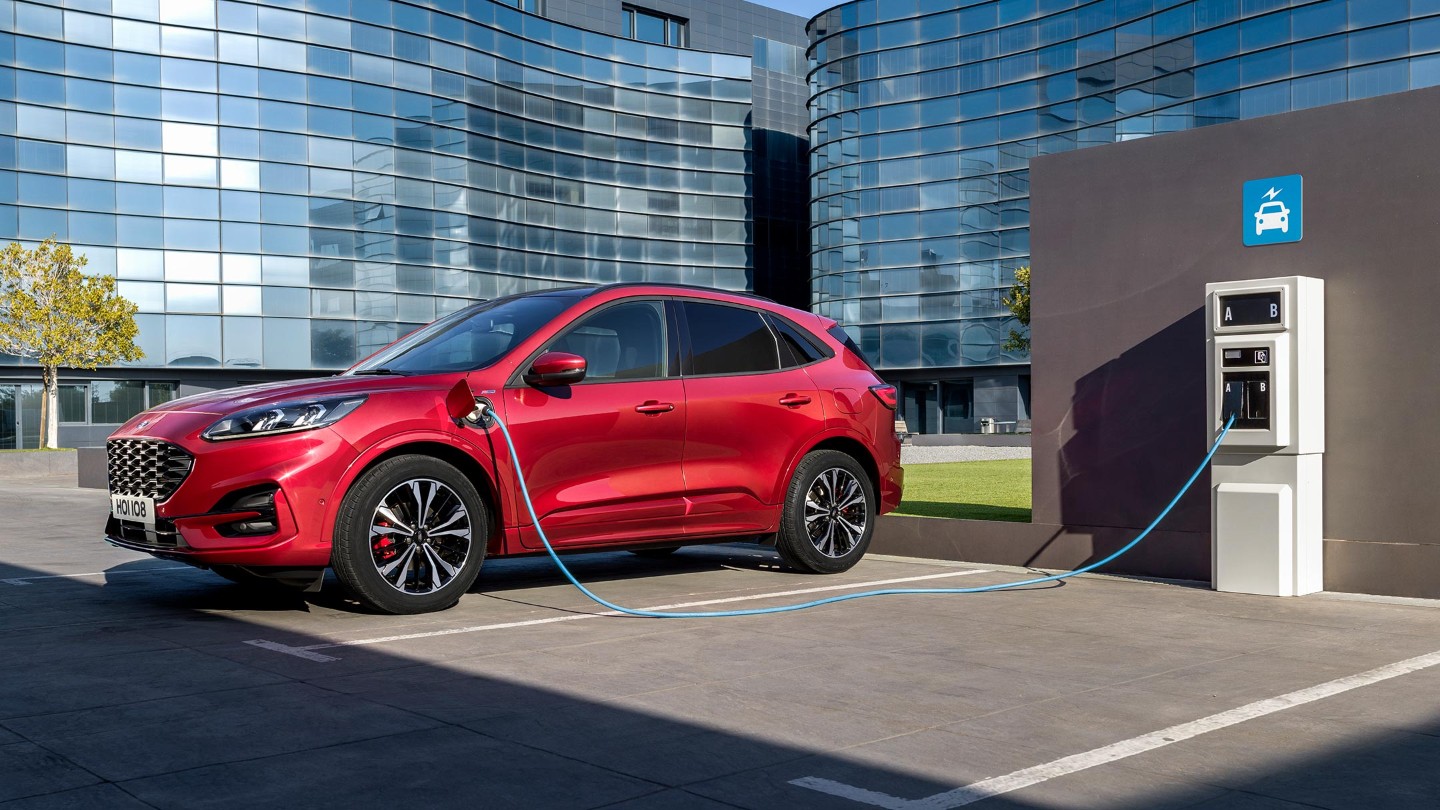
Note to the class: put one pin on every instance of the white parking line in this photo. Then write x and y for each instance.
(308, 651)
(28, 580)
(969, 794)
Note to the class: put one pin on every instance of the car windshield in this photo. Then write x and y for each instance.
(469, 339)
(1271, 206)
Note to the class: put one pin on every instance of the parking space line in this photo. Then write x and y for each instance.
(308, 651)
(1026, 777)
(28, 580)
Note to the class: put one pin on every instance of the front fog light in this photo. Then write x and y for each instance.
(282, 418)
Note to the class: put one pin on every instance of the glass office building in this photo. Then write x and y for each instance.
(926, 113)
(285, 187)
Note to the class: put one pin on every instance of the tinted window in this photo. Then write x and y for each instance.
(839, 333)
(469, 339)
(795, 348)
(624, 342)
(729, 340)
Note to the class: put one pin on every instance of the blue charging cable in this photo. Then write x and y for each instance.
(656, 614)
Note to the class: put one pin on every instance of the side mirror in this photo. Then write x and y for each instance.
(556, 368)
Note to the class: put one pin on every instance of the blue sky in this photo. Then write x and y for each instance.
(805, 8)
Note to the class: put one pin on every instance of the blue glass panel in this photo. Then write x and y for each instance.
(1376, 44)
(1377, 12)
(92, 63)
(192, 235)
(1314, 91)
(1270, 99)
(40, 54)
(136, 198)
(1425, 71)
(1374, 80)
(1210, 13)
(1425, 35)
(1319, 19)
(1320, 55)
(1265, 66)
(193, 340)
(139, 69)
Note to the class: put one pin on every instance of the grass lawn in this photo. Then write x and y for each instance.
(974, 490)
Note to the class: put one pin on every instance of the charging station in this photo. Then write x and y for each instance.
(1267, 369)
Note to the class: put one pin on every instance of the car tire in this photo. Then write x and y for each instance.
(829, 514)
(410, 536)
(654, 553)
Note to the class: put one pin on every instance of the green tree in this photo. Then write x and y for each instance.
(54, 314)
(1018, 302)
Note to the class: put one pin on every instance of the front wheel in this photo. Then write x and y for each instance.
(829, 514)
(410, 536)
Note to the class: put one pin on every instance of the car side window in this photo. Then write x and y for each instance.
(795, 348)
(623, 342)
(729, 340)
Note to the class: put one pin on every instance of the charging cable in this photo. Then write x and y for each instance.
(487, 410)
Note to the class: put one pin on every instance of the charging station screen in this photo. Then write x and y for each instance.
(1246, 357)
(1254, 309)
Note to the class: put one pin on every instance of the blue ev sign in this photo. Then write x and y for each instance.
(1274, 210)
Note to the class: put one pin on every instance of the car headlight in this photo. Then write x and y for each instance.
(285, 417)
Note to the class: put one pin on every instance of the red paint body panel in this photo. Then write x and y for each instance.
(609, 462)
(739, 439)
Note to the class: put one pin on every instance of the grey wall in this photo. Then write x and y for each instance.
(722, 26)
(1125, 239)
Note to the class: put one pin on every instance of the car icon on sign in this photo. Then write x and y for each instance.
(1272, 215)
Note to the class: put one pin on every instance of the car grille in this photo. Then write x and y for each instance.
(146, 467)
(162, 536)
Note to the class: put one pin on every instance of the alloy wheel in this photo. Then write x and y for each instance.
(420, 536)
(835, 512)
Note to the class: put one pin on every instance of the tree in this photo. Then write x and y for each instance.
(54, 314)
(1018, 302)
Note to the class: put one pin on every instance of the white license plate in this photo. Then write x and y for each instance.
(136, 508)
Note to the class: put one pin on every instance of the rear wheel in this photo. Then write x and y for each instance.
(410, 536)
(829, 514)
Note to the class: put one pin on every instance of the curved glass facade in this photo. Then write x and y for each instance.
(294, 187)
(926, 113)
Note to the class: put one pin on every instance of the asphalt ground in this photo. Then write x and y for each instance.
(129, 682)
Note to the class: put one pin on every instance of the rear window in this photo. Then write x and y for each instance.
(839, 333)
(797, 347)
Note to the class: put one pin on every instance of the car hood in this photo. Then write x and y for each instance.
(229, 400)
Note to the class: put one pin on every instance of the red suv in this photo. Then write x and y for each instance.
(646, 417)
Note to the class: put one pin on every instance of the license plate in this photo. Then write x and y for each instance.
(136, 508)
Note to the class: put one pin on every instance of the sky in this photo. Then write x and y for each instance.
(805, 8)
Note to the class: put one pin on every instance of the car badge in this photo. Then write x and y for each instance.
(143, 425)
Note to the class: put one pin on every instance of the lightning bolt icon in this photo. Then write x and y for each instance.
(1273, 193)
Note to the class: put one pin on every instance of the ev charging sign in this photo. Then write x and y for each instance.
(1274, 210)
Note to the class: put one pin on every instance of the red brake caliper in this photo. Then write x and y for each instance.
(384, 547)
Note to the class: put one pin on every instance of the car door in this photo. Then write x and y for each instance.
(748, 414)
(602, 457)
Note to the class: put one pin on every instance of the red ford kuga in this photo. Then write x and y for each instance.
(645, 417)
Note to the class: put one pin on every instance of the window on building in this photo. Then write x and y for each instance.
(532, 6)
(652, 26)
(113, 402)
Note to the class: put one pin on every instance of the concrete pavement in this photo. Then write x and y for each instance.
(130, 682)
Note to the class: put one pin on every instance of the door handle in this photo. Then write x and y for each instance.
(794, 400)
(653, 407)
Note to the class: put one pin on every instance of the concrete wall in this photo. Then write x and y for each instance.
(37, 463)
(1125, 237)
